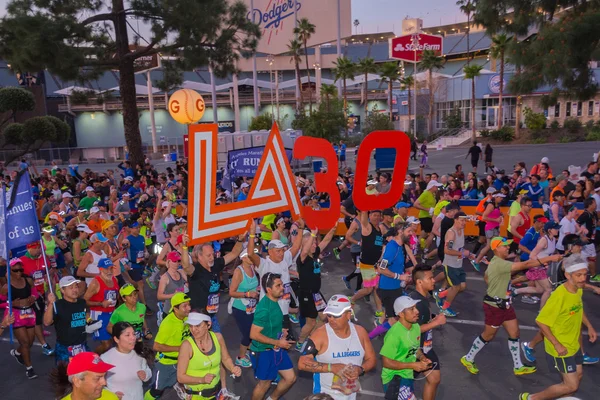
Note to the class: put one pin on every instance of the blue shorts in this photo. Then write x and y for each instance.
(102, 333)
(267, 364)
(65, 353)
(136, 274)
(216, 328)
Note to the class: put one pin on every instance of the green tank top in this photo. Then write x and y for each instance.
(50, 246)
(202, 364)
(85, 244)
(283, 239)
(247, 284)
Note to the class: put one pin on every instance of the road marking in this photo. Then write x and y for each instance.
(369, 393)
(5, 339)
(475, 278)
(481, 323)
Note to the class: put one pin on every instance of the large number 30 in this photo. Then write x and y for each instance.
(326, 182)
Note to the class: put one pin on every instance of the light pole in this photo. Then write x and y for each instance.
(415, 44)
(270, 61)
(317, 68)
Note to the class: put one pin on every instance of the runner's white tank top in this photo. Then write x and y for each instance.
(342, 351)
(92, 267)
(550, 247)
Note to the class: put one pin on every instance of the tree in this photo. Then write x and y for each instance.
(295, 50)
(172, 79)
(305, 30)
(408, 83)
(498, 50)
(14, 100)
(377, 121)
(328, 92)
(467, 7)
(366, 66)
(262, 122)
(356, 24)
(80, 40)
(472, 72)
(326, 123)
(344, 69)
(430, 60)
(390, 72)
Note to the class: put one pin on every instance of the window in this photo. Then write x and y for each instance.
(579, 109)
(568, 110)
(590, 108)
(557, 110)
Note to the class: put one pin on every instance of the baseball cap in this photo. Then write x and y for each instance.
(89, 189)
(576, 267)
(490, 190)
(433, 184)
(499, 241)
(245, 252)
(48, 229)
(499, 195)
(389, 212)
(105, 263)
(412, 220)
(87, 361)
(174, 256)
(84, 228)
(545, 160)
(98, 237)
(134, 224)
(402, 205)
(94, 210)
(126, 194)
(165, 204)
(127, 289)
(372, 182)
(179, 298)
(128, 178)
(54, 215)
(551, 225)
(67, 195)
(15, 261)
(244, 185)
(67, 281)
(107, 224)
(196, 318)
(402, 303)
(33, 245)
(541, 219)
(276, 244)
(523, 191)
(337, 305)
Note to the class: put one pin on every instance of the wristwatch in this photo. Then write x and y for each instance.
(362, 371)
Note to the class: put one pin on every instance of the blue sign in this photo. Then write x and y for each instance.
(272, 17)
(3, 249)
(494, 84)
(245, 162)
(22, 225)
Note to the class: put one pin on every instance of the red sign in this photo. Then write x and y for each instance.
(406, 47)
(186, 142)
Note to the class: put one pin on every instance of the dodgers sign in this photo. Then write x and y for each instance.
(494, 84)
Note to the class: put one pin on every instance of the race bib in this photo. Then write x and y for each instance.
(27, 313)
(319, 302)
(140, 257)
(287, 290)
(212, 306)
(428, 342)
(111, 296)
(38, 277)
(74, 350)
(52, 260)
(251, 306)
(406, 393)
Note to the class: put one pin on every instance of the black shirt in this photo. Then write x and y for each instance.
(70, 322)
(475, 153)
(309, 271)
(588, 220)
(371, 247)
(424, 312)
(204, 284)
(588, 175)
(446, 224)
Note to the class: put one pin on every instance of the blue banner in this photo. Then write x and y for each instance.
(22, 226)
(3, 249)
(245, 162)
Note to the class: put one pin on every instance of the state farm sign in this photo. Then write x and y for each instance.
(407, 47)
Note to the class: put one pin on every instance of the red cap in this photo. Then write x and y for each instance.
(174, 256)
(33, 245)
(543, 219)
(87, 361)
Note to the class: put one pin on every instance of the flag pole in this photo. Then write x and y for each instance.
(5, 256)
(47, 271)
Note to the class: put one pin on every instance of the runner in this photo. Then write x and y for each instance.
(560, 321)
(588, 221)
(493, 218)
(171, 333)
(519, 223)
(401, 354)
(476, 155)
(269, 337)
(353, 236)
(201, 359)
(83, 378)
(338, 353)
(101, 297)
(88, 268)
(138, 258)
(497, 306)
(426, 204)
(132, 312)
(173, 281)
(479, 210)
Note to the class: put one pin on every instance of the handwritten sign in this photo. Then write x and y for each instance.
(22, 226)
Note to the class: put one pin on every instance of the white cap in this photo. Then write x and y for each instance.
(280, 220)
(94, 210)
(490, 190)
(67, 281)
(196, 318)
(545, 160)
(244, 185)
(576, 267)
(276, 244)
(165, 204)
(89, 189)
(499, 195)
(413, 220)
(372, 182)
(402, 303)
(337, 305)
(67, 195)
(128, 178)
(84, 228)
(245, 253)
(433, 184)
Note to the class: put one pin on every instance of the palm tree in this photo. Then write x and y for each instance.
(472, 72)
(467, 7)
(430, 61)
(344, 69)
(498, 49)
(295, 49)
(305, 30)
(390, 73)
(356, 24)
(408, 82)
(366, 66)
(328, 91)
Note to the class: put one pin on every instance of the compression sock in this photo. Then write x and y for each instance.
(379, 330)
(475, 348)
(477, 247)
(446, 305)
(442, 294)
(515, 352)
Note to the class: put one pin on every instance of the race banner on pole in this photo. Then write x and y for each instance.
(22, 225)
(245, 162)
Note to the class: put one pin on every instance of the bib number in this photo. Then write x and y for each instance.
(27, 313)
(140, 257)
(251, 306)
(428, 342)
(319, 302)
(406, 393)
(74, 350)
(212, 306)
(287, 290)
(52, 260)
(38, 278)
(111, 296)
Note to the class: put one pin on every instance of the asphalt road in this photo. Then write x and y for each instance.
(494, 382)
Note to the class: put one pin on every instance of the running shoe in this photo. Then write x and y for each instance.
(347, 283)
(30, 373)
(47, 350)
(243, 362)
(151, 284)
(513, 292)
(448, 312)
(528, 300)
(379, 314)
(325, 254)
(438, 299)
(524, 396)
(376, 322)
(528, 352)
(476, 265)
(298, 347)
(294, 318)
(180, 391)
(587, 360)
(524, 370)
(470, 366)
(149, 311)
(18, 357)
(336, 253)
(595, 278)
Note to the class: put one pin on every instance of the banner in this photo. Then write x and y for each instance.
(3, 249)
(22, 225)
(245, 162)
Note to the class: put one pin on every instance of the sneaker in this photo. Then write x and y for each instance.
(336, 253)
(294, 318)
(47, 350)
(524, 396)
(537, 299)
(528, 352)
(524, 370)
(180, 391)
(438, 301)
(149, 311)
(470, 366)
(18, 357)
(151, 284)
(476, 265)
(528, 300)
(595, 278)
(378, 314)
(376, 322)
(30, 373)
(243, 362)
(587, 360)
(346, 282)
(513, 292)
(449, 313)
(299, 347)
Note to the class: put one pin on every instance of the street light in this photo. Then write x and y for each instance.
(270, 60)
(317, 68)
(415, 44)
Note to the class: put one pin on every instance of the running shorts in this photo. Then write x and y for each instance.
(308, 303)
(370, 277)
(589, 251)
(495, 316)
(565, 365)
(426, 224)
(399, 389)
(388, 296)
(492, 233)
(455, 276)
(23, 318)
(136, 274)
(268, 363)
(64, 353)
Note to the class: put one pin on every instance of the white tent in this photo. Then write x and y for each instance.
(69, 90)
(140, 90)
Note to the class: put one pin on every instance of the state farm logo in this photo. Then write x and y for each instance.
(420, 47)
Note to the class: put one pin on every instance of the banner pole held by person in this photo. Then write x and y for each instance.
(4, 253)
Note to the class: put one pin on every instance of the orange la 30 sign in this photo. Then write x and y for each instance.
(274, 190)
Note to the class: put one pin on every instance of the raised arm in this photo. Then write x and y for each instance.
(327, 239)
(365, 225)
(298, 238)
(188, 267)
(237, 249)
(255, 258)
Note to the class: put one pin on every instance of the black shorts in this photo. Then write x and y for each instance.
(481, 226)
(426, 224)
(136, 274)
(307, 304)
(474, 163)
(435, 363)
(455, 276)
(565, 365)
(388, 296)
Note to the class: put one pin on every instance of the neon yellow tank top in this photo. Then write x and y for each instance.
(202, 364)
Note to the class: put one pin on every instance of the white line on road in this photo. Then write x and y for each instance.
(475, 278)
(5, 339)
(369, 393)
(481, 323)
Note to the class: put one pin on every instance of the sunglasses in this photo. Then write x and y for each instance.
(16, 271)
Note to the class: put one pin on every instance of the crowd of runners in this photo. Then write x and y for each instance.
(109, 238)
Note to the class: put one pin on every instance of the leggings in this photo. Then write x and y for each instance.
(244, 323)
